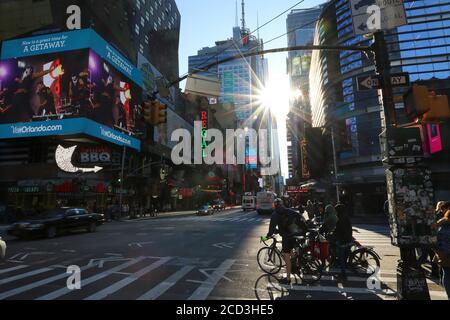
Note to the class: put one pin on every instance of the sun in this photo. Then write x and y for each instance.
(275, 96)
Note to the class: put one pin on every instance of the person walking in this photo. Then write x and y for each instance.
(344, 237)
(443, 246)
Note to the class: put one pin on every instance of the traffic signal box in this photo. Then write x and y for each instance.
(426, 107)
(155, 113)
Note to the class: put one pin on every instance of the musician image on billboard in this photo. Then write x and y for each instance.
(66, 85)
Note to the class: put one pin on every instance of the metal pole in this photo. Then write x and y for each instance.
(338, 193)
(407, 265)
(121, 180)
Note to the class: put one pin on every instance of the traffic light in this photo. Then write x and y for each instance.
(425, 107)
(155, 113)
(160, 113)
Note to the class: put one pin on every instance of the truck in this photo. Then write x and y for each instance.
(248, 202)
(265, 202)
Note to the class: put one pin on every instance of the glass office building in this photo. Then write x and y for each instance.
(300, 25)
(421, 48)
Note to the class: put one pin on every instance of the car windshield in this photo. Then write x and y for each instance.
(204, 207)
(52, 213)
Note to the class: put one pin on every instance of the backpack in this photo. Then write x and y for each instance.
(290, 223)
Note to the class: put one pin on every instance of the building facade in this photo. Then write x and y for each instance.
(300, 27)
(355, 117)
(135, 32)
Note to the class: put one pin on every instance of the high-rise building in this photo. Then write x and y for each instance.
(148, 27)
(126, 29)
(241, 82)
(420, 48)
(300, 28)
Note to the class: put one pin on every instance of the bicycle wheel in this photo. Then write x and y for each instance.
(364, 261)
(270, 260)
(311, 269)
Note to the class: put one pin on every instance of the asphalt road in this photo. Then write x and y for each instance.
(178, 258)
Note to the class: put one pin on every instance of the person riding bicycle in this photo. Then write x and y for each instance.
(288, 223)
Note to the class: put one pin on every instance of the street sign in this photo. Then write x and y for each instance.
(373, 82)
(370, 16)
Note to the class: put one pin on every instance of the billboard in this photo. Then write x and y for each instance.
(68, 75)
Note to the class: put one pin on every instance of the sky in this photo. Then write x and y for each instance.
(205, 21)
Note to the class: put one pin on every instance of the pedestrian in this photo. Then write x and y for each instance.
(310, 209)
(343, 235)
(443, 246)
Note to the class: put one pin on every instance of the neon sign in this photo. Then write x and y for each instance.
(204, 132)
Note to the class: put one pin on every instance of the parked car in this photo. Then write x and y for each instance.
(205, 210)
(2, 249)
(219, 205)
(57, 221)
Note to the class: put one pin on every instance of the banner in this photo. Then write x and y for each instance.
(66, 128)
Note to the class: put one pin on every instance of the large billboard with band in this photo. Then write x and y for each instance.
(68, 75)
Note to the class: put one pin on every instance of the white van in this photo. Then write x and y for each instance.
(248, 202)
(265, 202)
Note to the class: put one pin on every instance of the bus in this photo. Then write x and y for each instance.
(265, 202)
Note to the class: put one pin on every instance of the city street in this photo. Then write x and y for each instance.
(178, 258)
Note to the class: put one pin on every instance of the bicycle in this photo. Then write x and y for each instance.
(361, 259)
(270, 257)
(305, 260)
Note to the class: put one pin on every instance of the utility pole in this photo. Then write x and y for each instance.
(338, 193)
(121, 179)
(407, 265)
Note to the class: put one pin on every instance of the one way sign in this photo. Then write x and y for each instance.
(373, 82)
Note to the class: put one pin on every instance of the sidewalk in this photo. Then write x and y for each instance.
(379, 219)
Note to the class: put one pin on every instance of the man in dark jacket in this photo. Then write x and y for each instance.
(288, 223)
(344, 237)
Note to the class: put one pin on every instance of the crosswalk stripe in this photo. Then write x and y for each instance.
(12, 269)
(128, 280)
(161, 288)
(341, 290)
(37, 284)
(63, 291)
(202, 292)
(24, 275)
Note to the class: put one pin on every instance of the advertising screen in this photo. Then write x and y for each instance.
(68, 75)
(434, 138)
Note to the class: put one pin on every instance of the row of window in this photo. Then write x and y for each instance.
(427, 11)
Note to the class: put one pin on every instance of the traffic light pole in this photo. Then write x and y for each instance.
(408, 268)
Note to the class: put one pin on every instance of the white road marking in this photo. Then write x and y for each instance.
(206, 288)
(161, 288)
(84, 282)
(37, 284)
(130, 279)
(25, 275)
(12, 269)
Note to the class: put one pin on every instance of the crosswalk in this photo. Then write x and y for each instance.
(149, 278)
(249, 218)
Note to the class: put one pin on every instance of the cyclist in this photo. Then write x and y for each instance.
(288, 223)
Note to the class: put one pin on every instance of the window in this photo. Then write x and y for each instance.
(136, 29)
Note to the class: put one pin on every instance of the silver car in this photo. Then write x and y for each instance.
(2, 249)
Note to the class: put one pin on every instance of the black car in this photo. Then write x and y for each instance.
(205, 210)
(57, 221)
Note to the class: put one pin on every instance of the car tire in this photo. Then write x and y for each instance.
(92, 227)
(51, 232)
